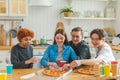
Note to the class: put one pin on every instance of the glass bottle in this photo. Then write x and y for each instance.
(110, 9)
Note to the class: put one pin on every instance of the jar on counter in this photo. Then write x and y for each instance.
(114, 68)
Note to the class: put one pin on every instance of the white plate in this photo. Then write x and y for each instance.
(116, 41)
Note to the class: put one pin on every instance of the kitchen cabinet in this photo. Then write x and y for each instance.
(90, 14)
(18, 7)
(14, 7)
(4, 55)
(93, 52)
(3, 7)
(38, 53)
(116, 54)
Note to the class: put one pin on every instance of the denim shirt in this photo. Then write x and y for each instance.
(51, 54)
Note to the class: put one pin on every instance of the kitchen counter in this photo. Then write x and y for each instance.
(5, 47)
(112, 46)
(44, 47)
(115, 47)
(40, 47)
(34, 47)
(17, 73)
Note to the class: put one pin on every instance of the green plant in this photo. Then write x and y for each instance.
(66, 9)
(110, 2)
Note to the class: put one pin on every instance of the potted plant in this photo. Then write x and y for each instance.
(67, 11)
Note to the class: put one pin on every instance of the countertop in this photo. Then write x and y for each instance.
(34, 47)
(45, 46)
(5, 47)
(17, 73)
(40, 47)
(115, 47)
(112, 46)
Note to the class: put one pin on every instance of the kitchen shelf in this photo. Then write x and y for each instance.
(79, 18)
(94, 0)
(70, 1)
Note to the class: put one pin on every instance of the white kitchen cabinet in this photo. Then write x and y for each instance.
(18, 7)
(91, 12)
(116, 54)
(3, 7)
(13, 7)
(38, 53)
(4, 54)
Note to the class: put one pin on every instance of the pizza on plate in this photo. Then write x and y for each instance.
(54, 73)
(86, 70)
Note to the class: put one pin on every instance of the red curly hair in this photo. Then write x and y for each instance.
(23, 32)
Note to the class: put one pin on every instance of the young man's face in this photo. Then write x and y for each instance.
(96, 41)
(76, 37)
(26, 41)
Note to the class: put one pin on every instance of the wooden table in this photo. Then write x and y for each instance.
(17, 73)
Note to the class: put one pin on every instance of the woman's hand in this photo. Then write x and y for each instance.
(66, 66)
(53, 64)
(75, 63)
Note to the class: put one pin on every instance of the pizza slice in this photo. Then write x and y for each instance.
(53, 73)
(86, 70)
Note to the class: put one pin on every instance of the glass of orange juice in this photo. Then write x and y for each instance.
(3, 76)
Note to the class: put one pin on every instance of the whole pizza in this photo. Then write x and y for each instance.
(86, 70)
(53, 73)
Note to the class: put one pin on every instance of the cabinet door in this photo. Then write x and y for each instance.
(38, 53)
(116, 54)
(3, 7)
(18, 7)
(4, 54)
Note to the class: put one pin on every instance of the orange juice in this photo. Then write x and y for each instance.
(3, 76)
(107, 70)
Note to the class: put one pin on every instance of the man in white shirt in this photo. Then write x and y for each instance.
(103, 53)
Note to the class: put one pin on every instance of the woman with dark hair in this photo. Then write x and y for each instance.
(22, 53)
(103, 51)
(59, 51)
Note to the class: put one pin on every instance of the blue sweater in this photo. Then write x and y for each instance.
(51, 54)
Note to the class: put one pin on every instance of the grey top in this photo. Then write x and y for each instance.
(19, 55)
(59, 58)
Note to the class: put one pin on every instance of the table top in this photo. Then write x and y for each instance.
(17, 73)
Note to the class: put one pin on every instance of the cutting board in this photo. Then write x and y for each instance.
(110, 31)
(60, 25)
(3, 36)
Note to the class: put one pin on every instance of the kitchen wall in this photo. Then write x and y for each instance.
(43, 20)
(117, 23)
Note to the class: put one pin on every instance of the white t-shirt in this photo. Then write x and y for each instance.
(103, 56)
(106, 54)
